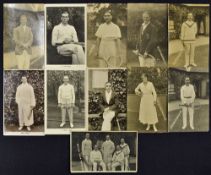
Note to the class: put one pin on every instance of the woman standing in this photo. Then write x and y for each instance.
(108, 39)
(147, 111)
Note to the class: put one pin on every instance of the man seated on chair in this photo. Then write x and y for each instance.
(118, 159)
(96, 159)
(126, 150)
(109, 106)
(64, 37)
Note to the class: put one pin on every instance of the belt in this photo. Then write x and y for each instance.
(188, 97)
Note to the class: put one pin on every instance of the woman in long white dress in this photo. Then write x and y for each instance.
(147, 111)
(108, 39)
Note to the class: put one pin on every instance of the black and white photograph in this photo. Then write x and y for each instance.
(106, 34)
(65, 101)
(147, 100)
(188, 100)
(147, 35)
(23, 32)
(23, 102)
(103, 152)
(189, 36)
(107, 104)
(65, 34)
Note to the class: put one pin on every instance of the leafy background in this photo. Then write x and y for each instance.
(118, 78)
(12, 79)
(158, 76)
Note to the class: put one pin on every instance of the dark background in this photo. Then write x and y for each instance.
(159, 154)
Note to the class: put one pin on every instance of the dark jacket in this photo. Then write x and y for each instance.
(147, 40)
(113, 103)
(20, 36)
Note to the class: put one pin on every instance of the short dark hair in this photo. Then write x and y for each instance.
(64, 12)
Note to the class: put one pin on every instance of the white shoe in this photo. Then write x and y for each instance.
(28, 128)
(194, 64)
(71, 125)
(62, 124)
(186, 66)
(155, 129)
(183, 127)
(148, 127)
(20, 128)
(192, 127)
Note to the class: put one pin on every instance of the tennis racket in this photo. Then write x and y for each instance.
(79, 43)
(148, 61)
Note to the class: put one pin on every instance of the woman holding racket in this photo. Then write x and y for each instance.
(108, 41)
(147, 111)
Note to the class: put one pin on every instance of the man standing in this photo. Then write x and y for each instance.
(109, 107)
(26, 102)
(187, 95)
(107, 150)
(66, 100)
(23, 38)
(64, 37)
(147, 38)
(118, 159)
(126, 150)
(86, 149)
(96, 159)
(188, 38)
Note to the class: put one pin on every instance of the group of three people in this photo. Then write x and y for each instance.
(105, 156)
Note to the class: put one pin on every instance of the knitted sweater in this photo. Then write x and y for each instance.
(188, 31)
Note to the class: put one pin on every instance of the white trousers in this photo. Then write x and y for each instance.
(107, 118)
(126, 163)
(66, 110)
(23, 60)
(185, 111)
(102, 164)
(78, 56)
(116, 164)
(86, 168)
(25, 115)
(189, 53)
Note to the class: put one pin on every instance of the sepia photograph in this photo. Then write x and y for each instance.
(147, 35)
(23, 102)
(23, 32)
(189, 36)
(107, 105)
(188, 100)
(65, 101)
(99, 152)
(65, 34)
(106, 35)
(147, 100)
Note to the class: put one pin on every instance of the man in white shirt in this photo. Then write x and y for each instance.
(188, 38)
(126, 150)
(86, 149)
(107, 151)
(64, 37)
(118, 159)
(66, 100)
(96, 159)
(25, 99)
(187, 95)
